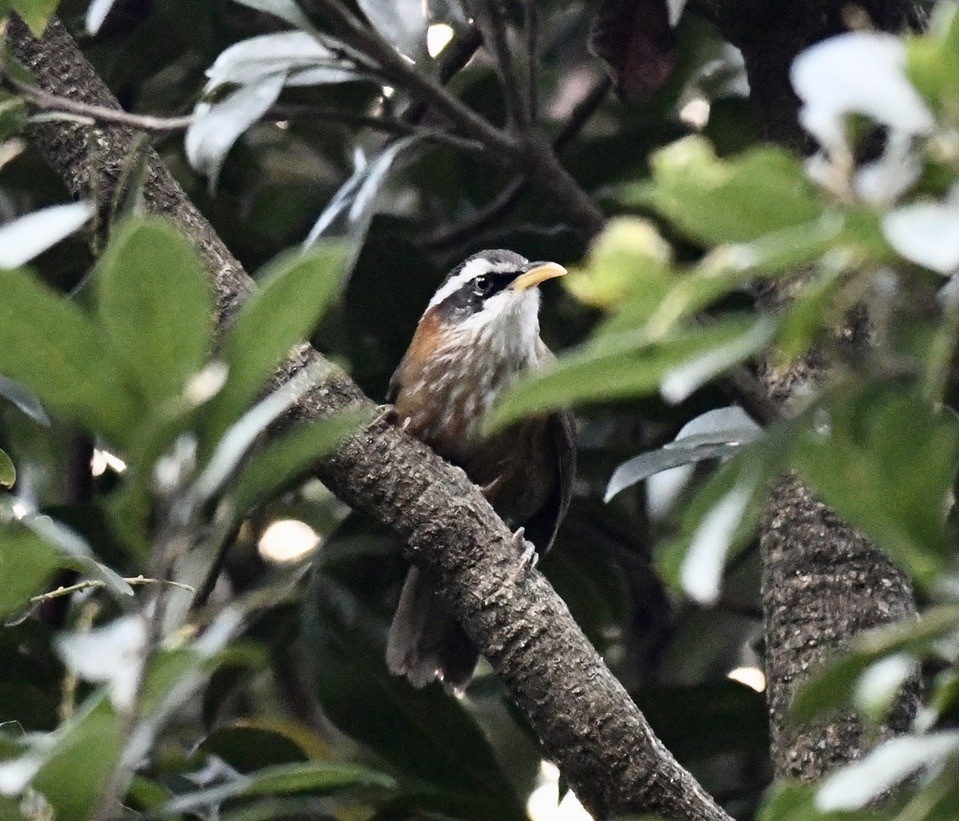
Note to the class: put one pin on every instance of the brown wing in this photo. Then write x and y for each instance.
(541, 527)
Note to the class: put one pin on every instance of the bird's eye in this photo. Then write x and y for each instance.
(482, 285)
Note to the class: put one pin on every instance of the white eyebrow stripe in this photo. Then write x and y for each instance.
(471, 270)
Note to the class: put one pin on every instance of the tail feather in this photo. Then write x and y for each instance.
(425, 642)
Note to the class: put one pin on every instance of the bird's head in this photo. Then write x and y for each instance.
(492, 298)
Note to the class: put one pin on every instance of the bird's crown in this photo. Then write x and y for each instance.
(488, 273)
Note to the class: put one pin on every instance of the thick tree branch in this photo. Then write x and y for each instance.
(585, 718)
(388, 125)
(822, 585)
(822, 582)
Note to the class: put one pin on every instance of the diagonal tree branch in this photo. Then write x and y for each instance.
(395, 67)
(584, 717)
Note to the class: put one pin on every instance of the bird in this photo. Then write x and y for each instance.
(479, 332)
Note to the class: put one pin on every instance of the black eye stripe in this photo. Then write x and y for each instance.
(469, 299)
(493, 282)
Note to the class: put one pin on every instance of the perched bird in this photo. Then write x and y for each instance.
(478, 333)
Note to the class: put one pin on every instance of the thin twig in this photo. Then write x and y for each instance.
(89, 584)
(396, 68)
(510, 195)
(227, 540)
(389, 125)
(527, 153)
(493, 23)
(479, 221)
(53, 103)
(532, 58)
(583, 112)
(454, 59)
(56, 107)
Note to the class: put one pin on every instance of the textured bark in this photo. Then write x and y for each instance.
(823, 583)
(586, 720)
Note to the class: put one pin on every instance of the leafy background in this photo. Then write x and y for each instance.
(273, 699)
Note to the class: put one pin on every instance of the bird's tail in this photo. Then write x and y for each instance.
(425, 641)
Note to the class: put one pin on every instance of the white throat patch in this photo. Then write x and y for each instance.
(507, 326)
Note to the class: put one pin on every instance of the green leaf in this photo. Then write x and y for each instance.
(708, 527)
(130, 507)
(797, 802)
(8, 472)
(932, 59)
(856, 449)
(26, 237)
(715, 201)
(84, 759)
(808, 313)
(239, 440)
(167, 669)
(36, 13)
(714, 434)
(862, 782)
(425, 733)
(145, 794)
(309, 776)
(54, 349)
(289, 457)
(78, 555)
(247, 746)
(30, 555)
(831, 686)
(23, 400)
(730, 268)
(295, 292)
(630, 364)
(156, 305)
(26, 564)
(314, 776)
(628, 260)
(13, 112)
(937, 799)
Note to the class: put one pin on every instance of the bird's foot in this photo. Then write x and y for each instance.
(528, 556)
(385, 414)
(388, 415)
